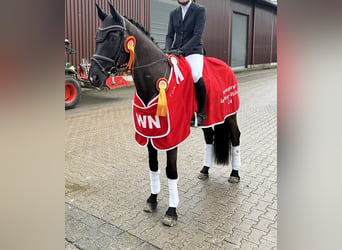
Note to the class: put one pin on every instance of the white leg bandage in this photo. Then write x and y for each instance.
(173, 193)
(155, 182)
(208, 155)
(236, 160)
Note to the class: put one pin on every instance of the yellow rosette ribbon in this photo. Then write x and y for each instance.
(162, 86)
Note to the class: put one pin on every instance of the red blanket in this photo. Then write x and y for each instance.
(168, 132)
(222, 91)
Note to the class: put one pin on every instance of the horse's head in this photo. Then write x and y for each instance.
(109, 46)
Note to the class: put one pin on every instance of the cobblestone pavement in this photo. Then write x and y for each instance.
(107, 178)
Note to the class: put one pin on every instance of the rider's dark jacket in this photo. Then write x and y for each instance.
(186, 34)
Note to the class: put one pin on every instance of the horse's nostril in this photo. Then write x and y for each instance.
(93, 78)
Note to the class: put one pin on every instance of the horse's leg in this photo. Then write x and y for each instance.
(170, 218)
(151, 203)
(208, 153)
(235, 150)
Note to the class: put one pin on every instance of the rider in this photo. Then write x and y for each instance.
(187, 24)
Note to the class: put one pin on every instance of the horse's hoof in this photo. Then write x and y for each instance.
(202, 176)
(150, 207)
(234, 179)
(169, 221)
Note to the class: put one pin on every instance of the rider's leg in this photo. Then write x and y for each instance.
(196, 64)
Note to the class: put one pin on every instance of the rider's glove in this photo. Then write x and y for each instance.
(175, 52)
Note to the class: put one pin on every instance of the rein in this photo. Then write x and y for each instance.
(150, 64)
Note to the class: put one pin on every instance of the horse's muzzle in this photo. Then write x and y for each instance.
(96, 77)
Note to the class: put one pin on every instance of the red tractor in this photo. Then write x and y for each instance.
(77, 78)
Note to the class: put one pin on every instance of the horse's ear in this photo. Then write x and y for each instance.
(102, 15)
(114, 13)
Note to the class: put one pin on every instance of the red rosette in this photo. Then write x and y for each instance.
(162, 81)
(129, 43)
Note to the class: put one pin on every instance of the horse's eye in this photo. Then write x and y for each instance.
(112, 38)
(100, 37)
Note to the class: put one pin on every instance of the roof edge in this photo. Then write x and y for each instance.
(265, 2)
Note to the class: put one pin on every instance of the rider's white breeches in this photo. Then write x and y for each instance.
(196, 64)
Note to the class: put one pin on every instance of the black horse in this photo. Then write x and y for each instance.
(123, 43)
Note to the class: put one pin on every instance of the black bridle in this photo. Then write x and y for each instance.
(116, 59)
(115, 62)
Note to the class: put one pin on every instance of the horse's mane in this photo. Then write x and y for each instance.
(140, 27)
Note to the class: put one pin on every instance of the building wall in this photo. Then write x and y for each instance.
(160, 14)
(262, 29)
(264, 35)
(217, 29)
(274, 46)
(82, 22)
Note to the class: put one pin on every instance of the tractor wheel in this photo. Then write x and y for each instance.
(72, 92)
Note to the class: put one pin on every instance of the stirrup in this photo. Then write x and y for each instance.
(195, 122)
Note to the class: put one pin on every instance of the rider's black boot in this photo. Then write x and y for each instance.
(201, 96)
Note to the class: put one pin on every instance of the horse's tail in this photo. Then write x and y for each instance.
(222, 143)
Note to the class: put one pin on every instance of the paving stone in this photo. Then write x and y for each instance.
(127, 241)
(146, 246)
(92, 233)
(77, 213)
(270, 214)
(248, 245)
(255, 214)
(271, 235)
(74, 229)
(267, 245)
(93, 221)
(263, 224)
(255, 236)
(109, 230)
(262, 205)
(246, 225)
(71, 247)
(236, 237)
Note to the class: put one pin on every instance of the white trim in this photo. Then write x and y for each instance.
(171, 147)
(217, 123)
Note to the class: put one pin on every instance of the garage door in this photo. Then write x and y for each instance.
(160, 12)
(239, 40)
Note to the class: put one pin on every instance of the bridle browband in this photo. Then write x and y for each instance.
(96, 57)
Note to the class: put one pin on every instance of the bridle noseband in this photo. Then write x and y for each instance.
(115, 61)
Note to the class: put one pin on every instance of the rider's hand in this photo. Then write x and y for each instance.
(175, 52)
